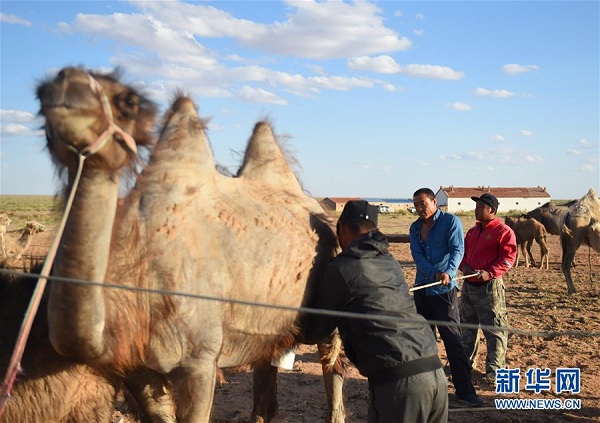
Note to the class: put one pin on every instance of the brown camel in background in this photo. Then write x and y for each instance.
(526, 231)
(256, 238)
(551, 216)
(5, 222)
(15, 249)
(580, 227)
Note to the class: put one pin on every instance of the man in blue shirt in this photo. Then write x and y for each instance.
(437, 247)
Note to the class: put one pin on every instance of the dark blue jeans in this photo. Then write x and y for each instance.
(445, 307)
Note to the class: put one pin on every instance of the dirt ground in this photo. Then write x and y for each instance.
(536, 301)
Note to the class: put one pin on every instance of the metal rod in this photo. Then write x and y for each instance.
(416, 288)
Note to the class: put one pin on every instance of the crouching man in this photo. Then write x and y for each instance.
(397, 352)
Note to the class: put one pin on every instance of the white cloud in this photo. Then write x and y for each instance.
(14, 19)
(574, 152)
(398, 13)
(514, 69)
(258, 95)
(387, 65)
(498, 138)
(459, 106)
(584, 142)
(419, 32)
(16, 116)
(420, 17)
(587, 168)
(19, 123)
(166, 43)
(15, 129)
(433, 72)
(476, 155)
(494, 93)
(380, 64)
(392, 88)
(526, 133)
(317, 30)
(532, 159)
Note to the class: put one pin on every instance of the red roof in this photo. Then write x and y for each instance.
(342, 199)
(514, 192)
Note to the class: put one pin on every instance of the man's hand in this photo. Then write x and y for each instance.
(467, 270)
(443, 276)
(484, 275)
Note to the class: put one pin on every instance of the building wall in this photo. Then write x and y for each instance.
(506, 204)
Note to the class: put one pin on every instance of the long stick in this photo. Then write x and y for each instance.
(439, 282)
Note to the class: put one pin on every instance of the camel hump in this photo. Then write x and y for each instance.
(183, 138)
(264, 159)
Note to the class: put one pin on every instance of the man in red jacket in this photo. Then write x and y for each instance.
(490, 251)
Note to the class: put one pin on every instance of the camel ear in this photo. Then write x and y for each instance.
(264, 160)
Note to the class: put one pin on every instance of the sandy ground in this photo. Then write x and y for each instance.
(536, 300)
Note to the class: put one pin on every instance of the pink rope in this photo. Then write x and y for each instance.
(14, 367)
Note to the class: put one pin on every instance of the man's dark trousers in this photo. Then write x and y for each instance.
(444, 307)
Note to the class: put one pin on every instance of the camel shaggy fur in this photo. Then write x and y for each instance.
(527, 230)
(185, 228)
(51, 388)
(580, 227)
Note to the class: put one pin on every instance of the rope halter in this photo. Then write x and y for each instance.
(108, 133)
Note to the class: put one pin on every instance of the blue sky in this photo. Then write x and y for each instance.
(377, 98)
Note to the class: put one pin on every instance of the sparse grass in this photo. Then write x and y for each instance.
(44, 209)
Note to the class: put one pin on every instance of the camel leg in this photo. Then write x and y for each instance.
(517, 259)
(529, 254)
(150, 390)
(195, 389)
(567, 261)
(544, 257)
(333, 377)
(264, 390)
(334, 383)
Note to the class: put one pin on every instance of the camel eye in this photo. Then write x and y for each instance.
(131, 100)
(128, 104)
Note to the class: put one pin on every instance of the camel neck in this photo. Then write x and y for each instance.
(76, 311)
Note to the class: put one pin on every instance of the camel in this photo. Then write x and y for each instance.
(51, 388)
(5, 222)
(526, 230)
(580, 227)
(17, 249)
(185, 228)
(551, 216)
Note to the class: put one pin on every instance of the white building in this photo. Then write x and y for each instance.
(458, 199)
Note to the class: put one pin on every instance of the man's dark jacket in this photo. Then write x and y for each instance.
(366, 279)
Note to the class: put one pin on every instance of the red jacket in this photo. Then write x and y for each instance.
(493, 248)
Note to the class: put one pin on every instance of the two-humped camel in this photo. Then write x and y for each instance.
(184, 228)
(581, 226)
(527, 230)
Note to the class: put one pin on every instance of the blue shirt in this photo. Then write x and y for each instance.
(442, 252)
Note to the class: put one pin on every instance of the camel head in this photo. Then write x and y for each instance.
(82, 108)
(511, 221)
(32, 227)
(5, 221)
